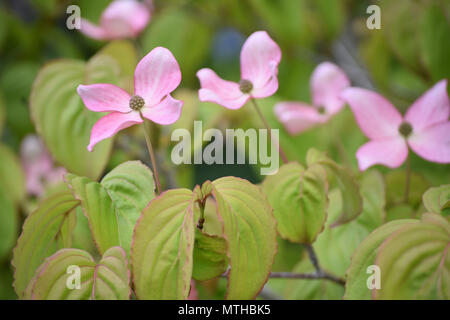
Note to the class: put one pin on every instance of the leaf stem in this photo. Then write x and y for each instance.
(266, 124)
(147, 130)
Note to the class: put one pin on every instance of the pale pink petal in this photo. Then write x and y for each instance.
(270, 87)
(214, 89)
(391, 152)
(298, 117)
(433, 143)
(56, 175)
(375, 115)
(104, 97)
(156, 75)
(431, 108)
(124, 18)
(110, 124)
(166, 112)
(327, 83)
(92, 31)
(259, 56)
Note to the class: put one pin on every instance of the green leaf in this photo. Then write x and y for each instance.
(2, 114)
(352, 201)
(210, 256)
(114, 205)
(395, 188)
(250, 231)
(299, 200)
(434, 31)
(364, 256)
(8, 224)
(107, 280)
(61, 118)
(163, 247)
(335, 245)
(43, 233)
(131, 187)
(415, 263)
(12, 178)
(189, 41)
(400, 211)
(99, 209)
(374, 199)
(437, 199)
(125, 54)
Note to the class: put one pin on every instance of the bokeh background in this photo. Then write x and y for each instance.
(401, 60)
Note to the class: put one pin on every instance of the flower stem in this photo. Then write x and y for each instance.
(266, 124)
(408, 178)
(147, 130)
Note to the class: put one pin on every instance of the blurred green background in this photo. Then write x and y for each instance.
(401, 60)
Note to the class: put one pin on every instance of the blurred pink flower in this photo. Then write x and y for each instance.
(260, 57)
(326, 84)
(121, 19)
(38, 166)
(425, 128)
(193, 293)
(155, 77)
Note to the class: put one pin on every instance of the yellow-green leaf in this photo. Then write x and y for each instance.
(436, 199)
(107, 280)
(299, 200)
(210, 256)
(42, 235)
(250, 231)
(163, 247)
(352, 200)
(63, 121)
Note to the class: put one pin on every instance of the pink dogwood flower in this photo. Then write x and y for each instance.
(121, 19)
(38, 166)
(326, 83)
(260, 56)
(425, 128)
(155, 77)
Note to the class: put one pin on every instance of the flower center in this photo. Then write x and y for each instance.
(321, 110)
(245, 86)
(136, 103)
(405, 129)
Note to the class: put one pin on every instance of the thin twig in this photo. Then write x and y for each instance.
(322, 275)
(313, 258)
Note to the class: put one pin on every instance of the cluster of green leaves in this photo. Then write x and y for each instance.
(411, 253)
(158, 236)
(351, 220)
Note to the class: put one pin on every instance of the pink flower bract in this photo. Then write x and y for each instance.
(260, 57)
(155, 77)
(326, 84)
(425, 128)
(121, 19)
